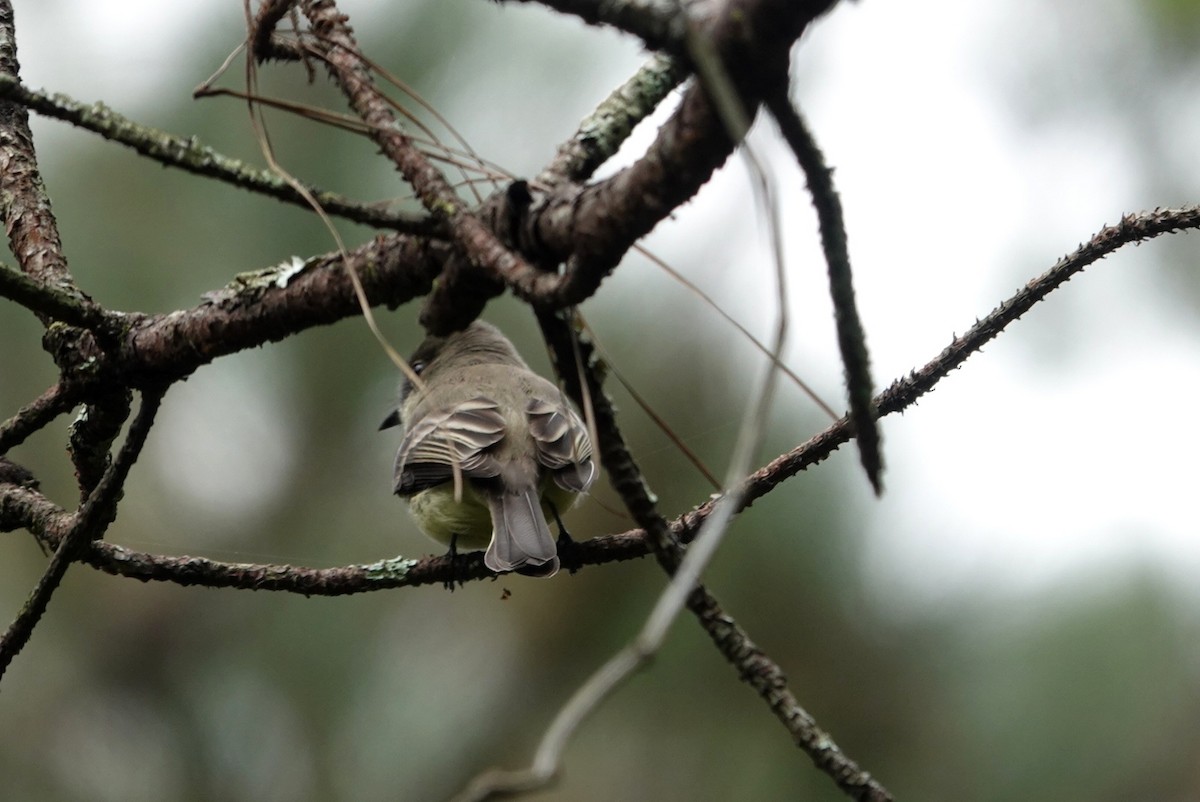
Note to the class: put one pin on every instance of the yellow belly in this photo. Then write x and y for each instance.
(441, 517)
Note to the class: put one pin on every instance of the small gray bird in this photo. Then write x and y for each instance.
(524, 453)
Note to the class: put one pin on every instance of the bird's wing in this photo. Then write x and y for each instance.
(461, 435)
(562, 443)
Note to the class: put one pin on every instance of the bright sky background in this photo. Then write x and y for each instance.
(1068, 444)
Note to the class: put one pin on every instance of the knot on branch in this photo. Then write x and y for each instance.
(76, 352)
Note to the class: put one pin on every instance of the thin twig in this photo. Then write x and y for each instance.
(431, 147)
(711, 303)
(50, 302)
(36, 414)
(737, 124)
(89, 523)
(644, 405)
(188, 154)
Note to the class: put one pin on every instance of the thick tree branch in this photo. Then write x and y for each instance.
(24, 204)
(661, 25)
(262, 26)
(592, 228)
(92, 434)
(271, 304)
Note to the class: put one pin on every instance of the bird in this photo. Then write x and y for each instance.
(523, 451)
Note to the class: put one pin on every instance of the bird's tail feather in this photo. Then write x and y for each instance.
(521, 540)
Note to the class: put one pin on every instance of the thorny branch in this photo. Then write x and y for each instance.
(850, 334)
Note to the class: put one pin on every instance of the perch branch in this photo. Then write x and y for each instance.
(24, 507)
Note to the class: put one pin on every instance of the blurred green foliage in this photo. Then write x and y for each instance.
(135, 691)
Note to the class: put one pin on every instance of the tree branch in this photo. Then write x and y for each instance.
(592, 228)
(36, 414)
(26, 508)
(661, 25)
(263, 25)
(476, 242)
(24, 204)
(271, 304)
(602, 132)
(852, 340)
(190, 155)
(97, 512)
(50, 302)
(91, 435)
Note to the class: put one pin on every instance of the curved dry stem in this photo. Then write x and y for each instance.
(711, 303)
